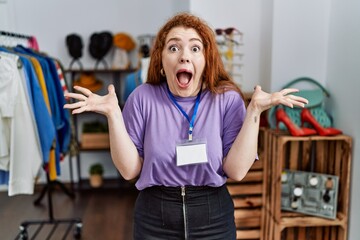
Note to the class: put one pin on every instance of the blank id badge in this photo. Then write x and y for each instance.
(191, 152)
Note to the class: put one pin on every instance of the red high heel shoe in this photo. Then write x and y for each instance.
(306, 116)
(294, 130)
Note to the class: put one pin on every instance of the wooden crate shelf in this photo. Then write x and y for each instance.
(248, 197)
(326, 155)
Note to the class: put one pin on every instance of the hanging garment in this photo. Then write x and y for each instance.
(24, 155)
(44, 124)
(132, 80)
(44, 87)
(57, 99)
(45, 127)
(41, 78)
(60, 117)
(60, 73)
(32, 41)
(51, 168)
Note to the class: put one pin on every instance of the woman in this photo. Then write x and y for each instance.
(183, 133)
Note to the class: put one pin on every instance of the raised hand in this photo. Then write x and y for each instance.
(88, 101)
(262, 101)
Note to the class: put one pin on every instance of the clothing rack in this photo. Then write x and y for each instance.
(49, 187)
(23, 234)
(14, 35)
(11, 36)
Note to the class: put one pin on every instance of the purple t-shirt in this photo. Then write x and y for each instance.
(155, 125)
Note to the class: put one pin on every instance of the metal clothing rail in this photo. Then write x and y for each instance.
(14, 35)
(50, 184)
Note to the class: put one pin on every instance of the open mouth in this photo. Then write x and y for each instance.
(184, 78)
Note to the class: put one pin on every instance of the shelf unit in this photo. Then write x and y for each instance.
(332, 155)
(231, 49)
(116, 75)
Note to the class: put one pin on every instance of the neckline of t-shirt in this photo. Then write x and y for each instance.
(184, 99)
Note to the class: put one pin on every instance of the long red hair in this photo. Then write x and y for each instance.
(215, 77)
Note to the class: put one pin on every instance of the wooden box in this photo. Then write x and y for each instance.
(248, 197)
(327, 155)
(95, 141)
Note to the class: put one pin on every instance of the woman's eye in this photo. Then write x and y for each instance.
(173, 48)
(195, 49)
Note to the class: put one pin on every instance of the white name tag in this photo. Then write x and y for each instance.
(191, 152)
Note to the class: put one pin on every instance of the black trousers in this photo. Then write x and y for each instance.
(189, 213)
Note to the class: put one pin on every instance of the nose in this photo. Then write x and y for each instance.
(184, 58)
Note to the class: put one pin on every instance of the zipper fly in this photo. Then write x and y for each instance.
(184, 211)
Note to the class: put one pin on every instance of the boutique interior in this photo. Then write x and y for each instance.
(302, 187)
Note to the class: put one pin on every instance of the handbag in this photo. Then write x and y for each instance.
(315, 105)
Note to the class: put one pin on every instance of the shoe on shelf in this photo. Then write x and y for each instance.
(306, 116)
(294, 130)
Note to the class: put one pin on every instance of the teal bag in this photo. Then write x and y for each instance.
(315, 105)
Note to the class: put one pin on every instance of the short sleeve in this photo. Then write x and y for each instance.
(134, 121)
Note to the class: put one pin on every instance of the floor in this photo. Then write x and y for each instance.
(104, 214)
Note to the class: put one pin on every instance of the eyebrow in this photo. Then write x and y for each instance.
(178, 40)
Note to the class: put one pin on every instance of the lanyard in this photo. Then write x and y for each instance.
(191, 127)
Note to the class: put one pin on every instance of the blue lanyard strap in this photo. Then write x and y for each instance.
(197, 101)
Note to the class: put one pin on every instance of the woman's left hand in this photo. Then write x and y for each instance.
(261, 101)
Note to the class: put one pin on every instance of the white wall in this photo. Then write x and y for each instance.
(266, 35)
(244, 15)
(300, 38)
(51, 21)
(6, 17)
(342, 76)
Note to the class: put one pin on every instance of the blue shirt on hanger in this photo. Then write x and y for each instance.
(4, 177)
(60, 116)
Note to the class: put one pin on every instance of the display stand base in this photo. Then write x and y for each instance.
(24, 235)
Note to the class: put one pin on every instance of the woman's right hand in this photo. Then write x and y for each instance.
(88, 101)
(123, 151)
